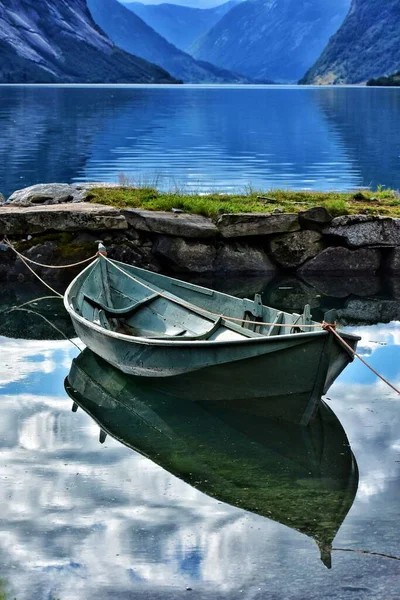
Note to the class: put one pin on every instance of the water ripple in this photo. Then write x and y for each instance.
(202, 138)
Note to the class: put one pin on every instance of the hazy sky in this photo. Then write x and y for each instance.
(193, 3)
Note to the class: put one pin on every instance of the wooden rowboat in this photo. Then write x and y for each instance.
(151, 325)
(305, 478)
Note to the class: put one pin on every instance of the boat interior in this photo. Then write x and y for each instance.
(139, 303)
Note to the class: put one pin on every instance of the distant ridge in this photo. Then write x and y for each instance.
(58, 42)
(132, 34)
(180, 25)
(367, 45)
(270, 39)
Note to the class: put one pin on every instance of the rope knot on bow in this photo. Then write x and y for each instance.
(328, 326)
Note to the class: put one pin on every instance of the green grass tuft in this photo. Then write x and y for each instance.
(337, 208)
(382, 202)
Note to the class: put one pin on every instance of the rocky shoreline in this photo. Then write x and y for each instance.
(55, 224)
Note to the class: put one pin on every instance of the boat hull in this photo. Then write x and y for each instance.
(164, 335)
(268, 367)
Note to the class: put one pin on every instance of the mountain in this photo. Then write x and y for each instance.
(367, 45)
(272, 39)
(58, 41)
(180, 25)
(132, 34)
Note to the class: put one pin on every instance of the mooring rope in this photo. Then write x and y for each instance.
(48, 322)
(335, 333)
(182, 303)
(76, 264)
(330, 327)
(368, 552)
(38, 276)
(20, 307)
(208, 312)
(25, 260)
(325, 326)
(7, 310)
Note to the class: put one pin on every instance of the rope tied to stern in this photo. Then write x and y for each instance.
(329, 327)
(356, 354)
(102, 254)
(188, 305)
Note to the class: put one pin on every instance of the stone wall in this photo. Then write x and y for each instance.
(64, 229)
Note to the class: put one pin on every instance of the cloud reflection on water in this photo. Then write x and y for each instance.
(22, 359)
(80, 520)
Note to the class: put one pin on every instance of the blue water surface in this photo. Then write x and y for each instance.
(80, 520)
(199, 138)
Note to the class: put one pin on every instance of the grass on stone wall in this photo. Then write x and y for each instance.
(383, 202)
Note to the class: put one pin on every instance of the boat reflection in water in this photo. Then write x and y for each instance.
(246, 453)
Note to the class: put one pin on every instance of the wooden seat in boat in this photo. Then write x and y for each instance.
(120, 312)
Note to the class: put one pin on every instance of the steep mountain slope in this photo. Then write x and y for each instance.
(132, 34)
(48, 41)
(180, 25)
(272, 39)
(367, 45)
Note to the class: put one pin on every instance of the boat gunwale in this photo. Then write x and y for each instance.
(181, 342)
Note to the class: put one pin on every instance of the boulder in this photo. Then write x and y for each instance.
(392, 262)
(133, 254)
(372, 311)
(53, 193)
(63, 249)
(7, 262)
(315, 218)
(242, 259)
(67, 217)
(183, 255)
(291, 250)
(339, 261)
(55, 252)
(169, 223)
(392, 283)
(251, 224)
(363, 230)
(291, 295)
(342, 287)
(131, 247)
(240, 285)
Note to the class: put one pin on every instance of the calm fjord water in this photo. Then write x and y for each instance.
(80, 520)
(201, 138)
